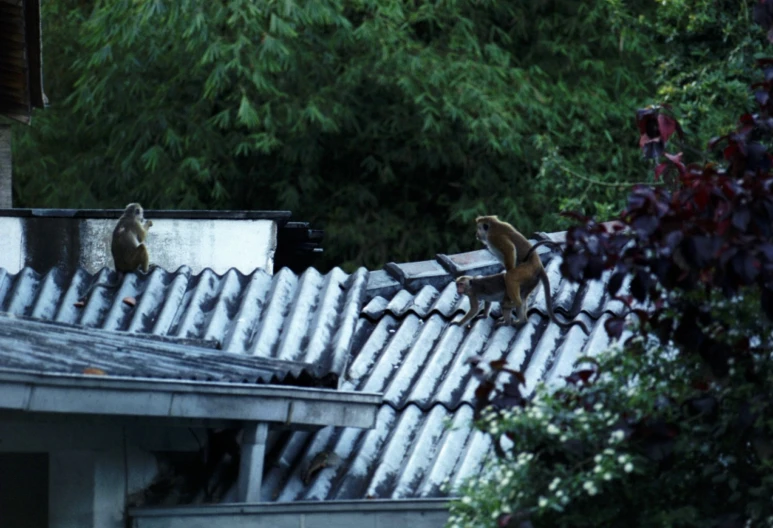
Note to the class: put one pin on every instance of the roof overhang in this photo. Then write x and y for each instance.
(416, 513)
(142, 397)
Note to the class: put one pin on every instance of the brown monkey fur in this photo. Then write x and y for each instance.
(488, 289)
(521, 276)
(128, 245)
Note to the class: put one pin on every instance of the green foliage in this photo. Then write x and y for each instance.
(576, 464)
(390, 124)
(707, 63)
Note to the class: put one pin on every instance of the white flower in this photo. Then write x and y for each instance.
(597, 459)
(466, 500)
(607, 476)
(553, 430)
(609, 451)
(622, 459)
(628, 467)
(598, 406)
(554, 484)
(542, 502)
(590, 487)
(563, 438)
(616, 436)
(597, 469)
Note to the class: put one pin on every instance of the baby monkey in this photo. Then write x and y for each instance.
(128, 245)
(488, 289)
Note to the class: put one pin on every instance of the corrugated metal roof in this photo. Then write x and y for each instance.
(21, 82)
(308, 319)
(389, 330)
(36, 347)
(410, 453)
(406, 347)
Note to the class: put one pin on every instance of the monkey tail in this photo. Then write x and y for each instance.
(543, 277)
(550, 243)
(93, 287)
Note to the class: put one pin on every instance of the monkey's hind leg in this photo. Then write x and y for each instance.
(507, 314)
(514, 279)
(140, 258)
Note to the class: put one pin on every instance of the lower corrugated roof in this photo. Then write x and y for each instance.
(307, 319)
(36, 347)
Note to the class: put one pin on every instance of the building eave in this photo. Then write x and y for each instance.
(140, 397)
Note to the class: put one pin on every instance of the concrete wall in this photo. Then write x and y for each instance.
(92, 465)
(220, 243)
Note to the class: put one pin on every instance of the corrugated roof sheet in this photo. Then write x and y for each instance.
(410, 453)
(36, 347)
(387, 331)
(406, 347)
(308, 319)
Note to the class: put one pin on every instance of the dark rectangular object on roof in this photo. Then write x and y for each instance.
(21, 74)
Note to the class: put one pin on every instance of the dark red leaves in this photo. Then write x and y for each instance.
(614, 326)
(655, 128)
(673, 162)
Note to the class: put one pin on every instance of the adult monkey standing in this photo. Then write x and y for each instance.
(506, 244)
(127, 245)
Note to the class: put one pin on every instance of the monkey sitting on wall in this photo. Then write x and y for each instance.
(488, 289)
(521, 276)
(128, 245)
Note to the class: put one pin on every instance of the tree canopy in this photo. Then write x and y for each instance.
(389, 124)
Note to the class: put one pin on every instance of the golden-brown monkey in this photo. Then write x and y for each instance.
(128, 245)
(488, 289)
(521, 276)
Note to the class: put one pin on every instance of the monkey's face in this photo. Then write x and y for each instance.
(482, 231)
(462, 285)
(134, 210)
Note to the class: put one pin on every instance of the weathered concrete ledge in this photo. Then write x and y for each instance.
(141, 397)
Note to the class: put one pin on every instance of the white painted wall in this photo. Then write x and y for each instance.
(219, 244)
